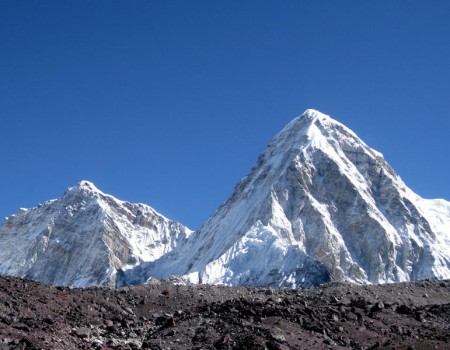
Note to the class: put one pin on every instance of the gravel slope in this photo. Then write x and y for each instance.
(166, 316)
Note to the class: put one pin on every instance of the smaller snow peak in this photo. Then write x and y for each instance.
(84, 188)
(88, 187)
(84, 184)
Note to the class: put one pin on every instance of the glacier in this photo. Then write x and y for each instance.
(319, 205)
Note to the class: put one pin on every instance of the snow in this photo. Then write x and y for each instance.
(437, 212)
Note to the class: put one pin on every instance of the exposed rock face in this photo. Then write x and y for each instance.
(318, 205)
(82, 238)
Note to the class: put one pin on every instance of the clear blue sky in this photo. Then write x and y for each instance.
(170, 103)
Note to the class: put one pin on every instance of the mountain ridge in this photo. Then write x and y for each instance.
(319, 202)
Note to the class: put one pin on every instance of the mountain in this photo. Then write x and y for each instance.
(318, 205)
(83, 238)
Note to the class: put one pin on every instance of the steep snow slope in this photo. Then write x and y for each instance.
(82, 238)
(318, 205)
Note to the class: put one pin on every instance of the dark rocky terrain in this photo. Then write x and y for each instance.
(166, 316)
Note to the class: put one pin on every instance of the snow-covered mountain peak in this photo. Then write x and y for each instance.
(308, 135)
(314, 131)
(311, 113)
(84, 184)
(85, 189)
(84, 237)
(319, 204)
(310, 127)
